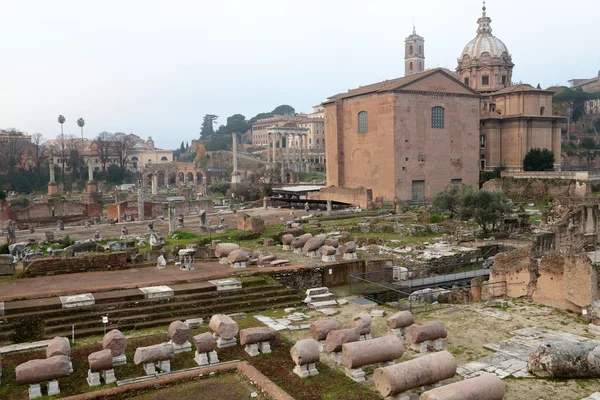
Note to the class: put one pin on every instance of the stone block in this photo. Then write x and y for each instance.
(77, 300)
(227, 284)
(155, 292)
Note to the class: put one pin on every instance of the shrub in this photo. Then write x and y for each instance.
(436, 218)
(4, 248)
(28, 329)
(67, 241)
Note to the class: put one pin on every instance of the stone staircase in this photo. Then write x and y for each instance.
(130, 309)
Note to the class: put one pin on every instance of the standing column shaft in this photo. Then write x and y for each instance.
(141, 201)
(274, 148)
(154, 183)
(268, 147)
(235, 165)
(301, 157)
(51, 164)
(90, 171)
(287, 148)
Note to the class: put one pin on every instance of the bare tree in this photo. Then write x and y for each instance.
(75, 148)
(37, 153)
(13, 148)
(103, 144)
(123, 146)
(60, 149)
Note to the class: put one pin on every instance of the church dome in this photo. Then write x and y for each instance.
(485, 43)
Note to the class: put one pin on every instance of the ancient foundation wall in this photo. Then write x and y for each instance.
(539, 190)
(82, 263)
(357, 197)
(48, 213)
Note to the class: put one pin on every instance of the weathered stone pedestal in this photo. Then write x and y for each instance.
(330, 258)
(337, 356)
(35, 389)
(239, 265)
(255, 349)
(398, 332)
(93, 378)
(223, 260)
(423, 347)
(164, 366)
(109, 376)
(224, 343)
(313, 254)
(304, 371)
(206, 358)
(366, 337)
(410, 395)
(356, 374)
(53, 388)
(298, 250)
(322, 344)
(119, 360)
(187, 346)
(350, 256)
(149, 368)
(286, 247)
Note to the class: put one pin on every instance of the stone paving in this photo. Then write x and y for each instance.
(511, 355)
(285, 323)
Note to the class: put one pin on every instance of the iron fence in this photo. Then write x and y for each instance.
(381, 287)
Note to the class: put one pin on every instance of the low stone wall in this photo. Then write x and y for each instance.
(82, 263)
(43, 214)
(154, 210)
(358, 197)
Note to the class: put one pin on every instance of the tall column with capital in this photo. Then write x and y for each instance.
(52, 186)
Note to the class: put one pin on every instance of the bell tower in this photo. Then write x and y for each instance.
(414, 54)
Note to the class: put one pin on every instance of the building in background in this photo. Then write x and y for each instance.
(588, 85)
(405, 138)
(414, 54)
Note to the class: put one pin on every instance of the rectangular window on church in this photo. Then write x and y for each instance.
(485, 80)
(467, 81)
(504, 79)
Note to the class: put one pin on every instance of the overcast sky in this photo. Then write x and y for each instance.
(155, 68)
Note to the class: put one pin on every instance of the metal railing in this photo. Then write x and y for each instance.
(403, 298)
(443, 279)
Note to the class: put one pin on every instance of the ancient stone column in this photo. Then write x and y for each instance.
(235, 175)
(154, 183)
(172, 217)
(141, 200)
(268, 148)
(301, 164)
(51, 164)
(90, 171)
(274, 149)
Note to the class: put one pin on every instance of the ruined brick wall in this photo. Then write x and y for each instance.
(188, 207)
(54, 210)
(519, 269)
(6, 213)
(81, 263)
(568, 282)
(539, 190)
(113, 211)
(247, 223)
(358, 197)
(302, 278)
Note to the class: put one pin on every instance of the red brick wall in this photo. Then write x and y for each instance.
(57, 266)
(6, 213)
